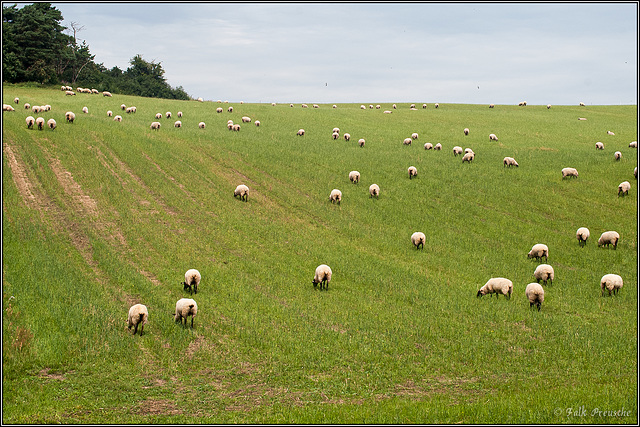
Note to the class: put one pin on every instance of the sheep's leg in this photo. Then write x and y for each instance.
(191, 321)
(135, 329)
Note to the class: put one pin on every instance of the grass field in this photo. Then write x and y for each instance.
(99, 215)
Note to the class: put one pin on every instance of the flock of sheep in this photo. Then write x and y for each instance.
(534, 292)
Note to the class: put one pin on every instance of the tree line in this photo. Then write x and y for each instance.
(35, 48)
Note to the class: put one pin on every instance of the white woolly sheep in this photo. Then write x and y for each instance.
(582, 235)
(185, 307)
(498, 286)
(610, 282)
(242, 191)
(335, 135)
(246, 119)
(491, 106)
(535, 294)
(219, 110)
(34, 109)
(51, 123)
(138, 316)
(610, 133)
(635, 172)
(201, 125)
(609, 238)
(436, 105)
(509, 161)
(118, 118)
(105, 93)
(394, 106)
(428, 146)
(386, 112)
(168, 114)
(468, 150)
(30, 122)
(545, 273)
(69, 92)
(493, 137)
(200, 100)
(412, 171)
(361, 142)
(335, 196)
(374, 191)
(155, 125)
(371, 106)
(95, 91)
(336, 130)
(179, 114)
(457, 150)
(230, 109)
(316, 106)
(633, 144)
(362, 107)
(322, 276)
(192, 279)
(304, 106)
(538, 251)
(412, 106)
(158, 116)
(568, 172)
(235, 128)
(548, 106)
(27, 106)
(334, 106)
(407, 141)
(599, 146)
(468, 157)
(617, 155)
(582, 118)
(85, 110)
(16, 100)
(69, 116)
(300, 132)
(177, 124)
(437, 147)
(354, 176)
(109, 113)
(624, 188)
(40, 123)
(418, 239)
(378, 107)
(466, 131)
(257, 123)
(414, 135)
(46, 107)
(582, 104)
(347, 136)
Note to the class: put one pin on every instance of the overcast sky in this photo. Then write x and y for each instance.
(558, 53)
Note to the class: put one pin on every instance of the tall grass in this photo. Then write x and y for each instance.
(399, 336)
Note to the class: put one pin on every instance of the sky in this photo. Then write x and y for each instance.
(337, 52)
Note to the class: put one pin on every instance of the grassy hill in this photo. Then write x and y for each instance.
(100, 215)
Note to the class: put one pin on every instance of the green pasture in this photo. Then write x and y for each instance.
(99, 215)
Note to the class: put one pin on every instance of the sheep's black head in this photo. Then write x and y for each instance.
(315, 284)
(479, 294)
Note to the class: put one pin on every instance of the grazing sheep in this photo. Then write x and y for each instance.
(179, 114)
(47, 107)
(200, 100)
(335, 135)
(242, 191)
(407, 141)
(354, 176)
(191, 280)
(230, 109)
(257, 123)
(609, 238)
(155, 125)
(466, 131)
(158, 116)
(418, 239)
(362, 107)
(386, 112)
(498, 286)
(246, 119)
(335, 196)
(334, 106)
(219, 110)
(582, 104)
(493, 137)
(610, 282)
(168, 114)
(610, 133)
(412, 171)
(85, 110)
(468, 150)
(412, 106)
(185, 307)
(300, 132)
(69, 116)
(414, 135)
(635, 172)
(582, 235)
(16, 100)
(27, 106)
(40, 123)
(361, 142)
(538, 251)
(436, 105)
(569, 172)
(617, 155)
(509, 161)
(599, 146)
(304, 106)
(109, 113)
(177, 124)
(130, 110)
(624, 188)
(457, 150)
(69, 93)
(138, 315)
(437, 147)
(374, 191)
(545, 273)
(468, 157)
(201, 125)
(535, 295)
(322, 276)
(30, 122)
(118, 118)
(491, 106)
(336, 130)
(582, 118)
(34, 109)
(51, 123)
(347, 136)
(633, 144)
(105, 93)
(377, 106)
(428, 146)
(235, 128)
(548, 106)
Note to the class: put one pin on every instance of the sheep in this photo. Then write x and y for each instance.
(568, 172)
(548, 106)
(138, 315)
(374, 191)
(407, 141)
(347, 136)
(235, 128)
(466, 131)
(468, 157)
(118, 118)
(34, 109)
(412, 171)
(582, 118)
(322, 276)
(200, 100)
(418, 239)
(437, 147)
(257, 123)
(538, 251)
(168, 114)
(582, 235)
(47, 107)
(498, 286)
(109, 113)
(610, 133)
(582, 104)
(414, 135)
(130, 110)
(633, 144)
(316, 106)
(201, 125)
(617, 155)
(599, 146)
(219, 110)
(27, 106)
(468, 150)
(246, 119)
(179, 114)
(361, 142)
(509, 161)
(610, 282)
(40, 123)
(609, 238)
(230, 109)
(69, 93)
(69, 116)
(377, 106)
(300, 132)
(335, 135)
(51, 123)
(412, 106)
(635, 172)
(493, 137)
(386, 112)
(185, 307)
(16, 100)
(177, 124)
(335, 196)
(105, 93)
(624, 188)
(334, 106)
(457, 150)
(535, 295)
(428, 146)
(304, 106)
(354, 176)
(191, 280)
(242, 191)
(545, 273)
(158, 116)
(491, 106)
(155, 125)
(394, 106)
(362, 107)
(371, 106)
(336, 130)
(85, 110)
(436, 105)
